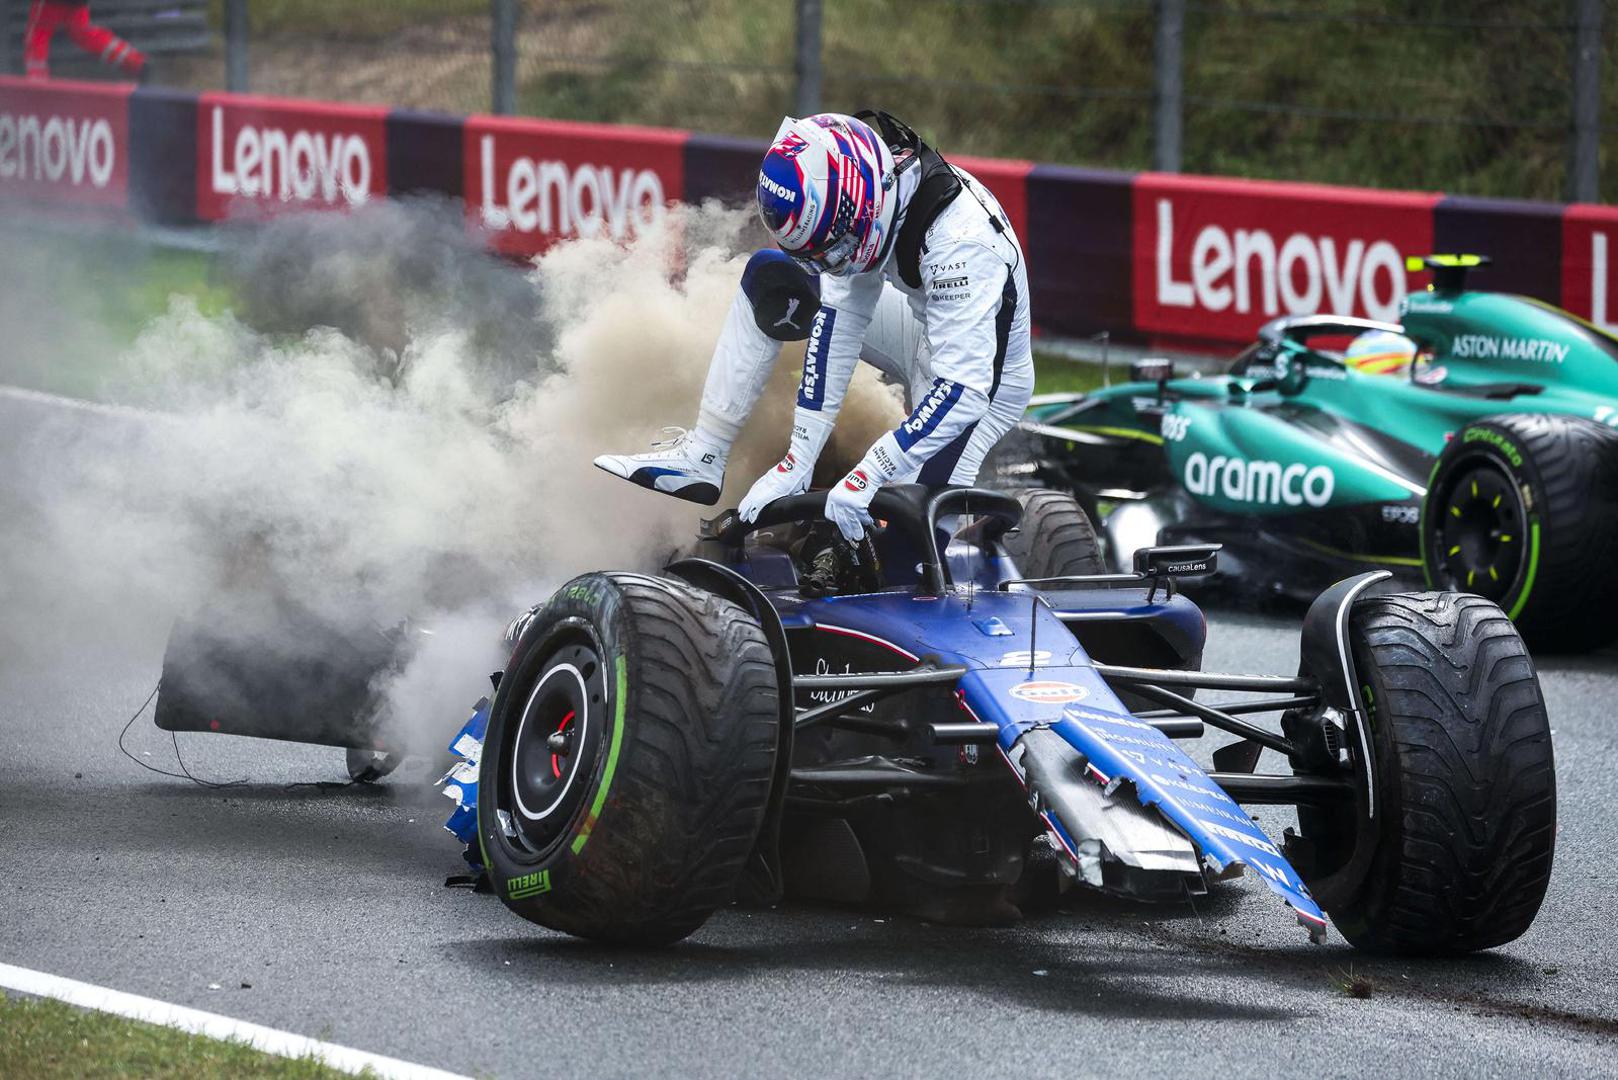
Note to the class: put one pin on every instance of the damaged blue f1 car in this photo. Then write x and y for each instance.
(985, 717)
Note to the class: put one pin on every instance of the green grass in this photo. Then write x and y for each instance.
(363, 18)
(75, 301)
(1071, 82)
(47, 1040)
(1054, 375)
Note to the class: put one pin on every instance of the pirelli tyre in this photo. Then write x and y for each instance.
(627, 764)
(1055, 538)
(1523, 509)
(1449, 848)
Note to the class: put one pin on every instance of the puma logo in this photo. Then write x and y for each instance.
(792, 309)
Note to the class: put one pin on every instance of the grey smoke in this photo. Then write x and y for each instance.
(391, 425)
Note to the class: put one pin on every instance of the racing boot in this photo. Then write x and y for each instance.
(684, 465)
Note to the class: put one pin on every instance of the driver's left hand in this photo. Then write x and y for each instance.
(848, 502)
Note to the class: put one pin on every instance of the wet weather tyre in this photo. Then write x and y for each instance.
(1523, 509)
(1056, 538)
(627, 765)
(1461, 843)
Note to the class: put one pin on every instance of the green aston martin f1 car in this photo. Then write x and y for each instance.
(1475, 444)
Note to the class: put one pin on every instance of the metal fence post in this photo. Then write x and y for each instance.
(503, 53)
(236, 79)
(807, 68)
(1584, 150)
(8, 44)
(1168, 85)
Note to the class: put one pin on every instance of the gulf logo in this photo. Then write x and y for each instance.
(1049, 693)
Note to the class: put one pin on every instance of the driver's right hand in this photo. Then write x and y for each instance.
(790, 477)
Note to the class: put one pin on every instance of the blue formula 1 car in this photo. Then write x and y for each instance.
(983, 718)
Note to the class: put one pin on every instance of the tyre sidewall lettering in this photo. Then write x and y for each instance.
(1484, 442)
(588, 607)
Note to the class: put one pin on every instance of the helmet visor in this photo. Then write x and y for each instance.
(836, 259)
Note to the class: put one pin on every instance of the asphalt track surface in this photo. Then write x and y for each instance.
(322, 910)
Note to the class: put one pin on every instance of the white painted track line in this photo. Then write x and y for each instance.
(212, 1025)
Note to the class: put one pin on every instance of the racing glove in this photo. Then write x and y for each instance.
(792, 474)
(789, 477)
(849, 500)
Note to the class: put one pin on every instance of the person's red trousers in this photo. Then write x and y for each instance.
(48, 16)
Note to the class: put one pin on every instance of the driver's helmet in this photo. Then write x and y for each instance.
(1380, 352)
(826, 193)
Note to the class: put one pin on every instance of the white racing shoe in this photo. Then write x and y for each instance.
(676, 466)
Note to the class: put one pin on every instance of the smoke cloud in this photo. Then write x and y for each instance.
(389, 425)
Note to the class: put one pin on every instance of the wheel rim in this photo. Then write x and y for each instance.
(547, 770)
(1478, 537)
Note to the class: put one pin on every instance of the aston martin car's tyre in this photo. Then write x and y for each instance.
(626, 770)
(1056, 538)
(1523, 509)
(1456, 852)
(1015, 463)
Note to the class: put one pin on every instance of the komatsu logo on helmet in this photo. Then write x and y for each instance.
(780, 191)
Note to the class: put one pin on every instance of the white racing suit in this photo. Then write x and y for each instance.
(960, 344)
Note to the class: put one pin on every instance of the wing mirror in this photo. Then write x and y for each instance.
(1152, 369)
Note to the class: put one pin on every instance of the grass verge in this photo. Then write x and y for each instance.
(47, 1040)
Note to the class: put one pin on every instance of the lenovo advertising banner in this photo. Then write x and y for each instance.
(530, 183)
(258, 155)
(1215, 259)
(64, 143)
(1589, 252)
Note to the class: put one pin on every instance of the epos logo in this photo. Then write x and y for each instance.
(267, 152)
(1215, 259)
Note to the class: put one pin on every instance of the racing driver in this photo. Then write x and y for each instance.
(912, 266)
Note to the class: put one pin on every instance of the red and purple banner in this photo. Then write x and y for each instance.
(1148, 256)
(530, 183)
(259, 155)
(64, 144)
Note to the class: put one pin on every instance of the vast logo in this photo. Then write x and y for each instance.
(559, 199)
(1302, 274)
(302, 166)
(57, 149)
(1259, 481)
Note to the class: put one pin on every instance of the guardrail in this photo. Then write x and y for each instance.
(1146, 256)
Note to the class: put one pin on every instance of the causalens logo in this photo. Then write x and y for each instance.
(1265, 482)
